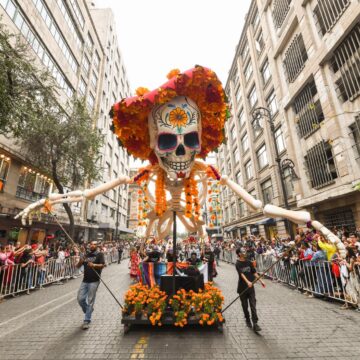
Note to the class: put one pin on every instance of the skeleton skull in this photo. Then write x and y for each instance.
(175, 135)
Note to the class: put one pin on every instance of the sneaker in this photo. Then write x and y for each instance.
(248, 324)
(256, 328)
(85, 325)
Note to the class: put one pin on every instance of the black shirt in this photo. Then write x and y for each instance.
(245, 267)
(90, 275)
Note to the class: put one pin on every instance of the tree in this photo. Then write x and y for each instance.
(21, 82)
(67, 145)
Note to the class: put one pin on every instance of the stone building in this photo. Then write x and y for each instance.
(63, 37)
(300, 61)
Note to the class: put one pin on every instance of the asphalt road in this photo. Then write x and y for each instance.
(47, 325)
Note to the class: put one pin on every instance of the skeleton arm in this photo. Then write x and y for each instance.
(71, 197)
(299, 217)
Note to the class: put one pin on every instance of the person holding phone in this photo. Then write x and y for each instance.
(247, 275)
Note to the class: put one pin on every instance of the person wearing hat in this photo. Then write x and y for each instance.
(247, 275)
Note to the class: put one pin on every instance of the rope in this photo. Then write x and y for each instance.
(73, 242)
(261, 276)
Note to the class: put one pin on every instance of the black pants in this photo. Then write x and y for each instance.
(246, 299)
(120, 255)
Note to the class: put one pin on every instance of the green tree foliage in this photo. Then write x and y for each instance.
(61, 141)
(21, 82)
(65, 144)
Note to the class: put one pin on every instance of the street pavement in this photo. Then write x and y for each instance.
(47, 325)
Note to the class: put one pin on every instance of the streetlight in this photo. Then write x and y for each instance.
(257, 114)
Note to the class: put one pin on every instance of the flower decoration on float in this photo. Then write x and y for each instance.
(151, 302)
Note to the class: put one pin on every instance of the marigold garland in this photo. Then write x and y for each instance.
(160, 193)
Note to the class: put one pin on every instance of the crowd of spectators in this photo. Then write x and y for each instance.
(312, 263)
(25, 267)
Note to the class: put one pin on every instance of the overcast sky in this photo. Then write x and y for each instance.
(156, 36)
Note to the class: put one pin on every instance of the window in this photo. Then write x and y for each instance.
(239, 179)
(86, 64)
(248, 170)
(104, 211)
(295, 58)
(69, 21)
(91, 101)
(321, 165)
(279, 138)
(245, 52)
(279, 11)
(259, 43)
(256, 20)
(288, 179)
(241, 118)
(233, 211)
(241, 208)
(110, 152)
(346, 66)
(236, 156)
(108, 170)
(248, 71)
(89, 42)
(233, 133)
(355, 131)
(262, 157)
(4, 169)
(252, 97)
(238, 94)
(267, 191)
(78, 13)
(55, 32)
(308, 110)
(96, 60)
(10, 8)
(245, 143)
(32, 185)
(265, 71)
(271, 103)
(82, 87)
(94, 79)
(39, 48)
(328, 12)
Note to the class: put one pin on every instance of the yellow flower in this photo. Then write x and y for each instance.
(178, 117)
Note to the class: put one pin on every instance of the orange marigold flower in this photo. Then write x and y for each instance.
(141, 91)
(178, 117)
(173, 73)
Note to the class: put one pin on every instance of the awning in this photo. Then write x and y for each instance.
(267, 221)
(231, 228)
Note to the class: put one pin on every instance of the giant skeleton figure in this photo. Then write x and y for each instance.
(173, 117)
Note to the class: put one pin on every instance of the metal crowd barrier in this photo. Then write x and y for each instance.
(318, 278)
(15, 279)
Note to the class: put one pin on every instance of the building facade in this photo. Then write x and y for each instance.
(300, 61)
(110, 209)
(63, 38)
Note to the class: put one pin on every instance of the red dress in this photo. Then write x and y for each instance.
(134, 264)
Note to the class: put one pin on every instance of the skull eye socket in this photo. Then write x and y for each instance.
(191, 140)
(167, 141)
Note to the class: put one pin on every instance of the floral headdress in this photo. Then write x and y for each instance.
(130, 115)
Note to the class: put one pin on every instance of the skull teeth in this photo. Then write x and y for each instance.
(177, 165)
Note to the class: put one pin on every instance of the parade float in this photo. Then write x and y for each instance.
(174, 127)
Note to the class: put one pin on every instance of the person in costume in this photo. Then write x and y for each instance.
(134, 264)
